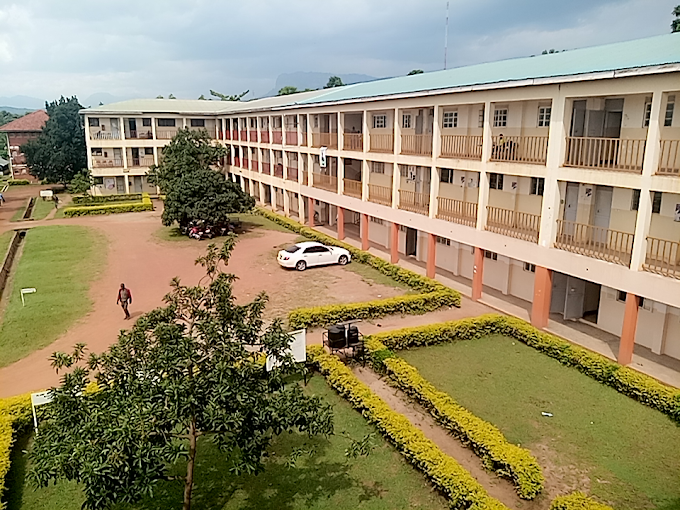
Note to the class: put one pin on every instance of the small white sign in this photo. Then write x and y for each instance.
(322, 157)
(38, 399)
(29, 290)
(46, 193)
(298, 349)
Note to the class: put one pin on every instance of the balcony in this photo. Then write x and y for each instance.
(329, 140)
(277, 137)
(278, 170)
(669, 159)
(663, 257)
(291, 138)
(227, 135)
(234, 134)
(380, 194)
(255, 165)
(252, 135)
(266, 167)
(292, 174)
(520, 149)
(139, 135)
(244, 163)
(605, 153)
(595, 242)
(462, 146)
(166, 134)
(142, 162)
(264, 136)
(244, 135)
(104, 135)
(237, 161)
(305, 178)
(381, 143)
(107, 163)
(515, 224)
(416, 145)
(303, 139)
(457, 211)
(353, 142)
(352, 188)
(325, 181)
(414, 202)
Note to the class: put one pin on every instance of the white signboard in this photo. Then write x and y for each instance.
(46, 193)
(298, 349)
(322, 157)
(26, 291)
(38, 399)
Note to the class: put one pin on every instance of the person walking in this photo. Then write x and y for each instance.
(124, 299)
(2, 199)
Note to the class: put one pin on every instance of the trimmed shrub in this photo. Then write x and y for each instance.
(18, 182)
(144, 205)
(457, 485)
(577, 501)
(15, 414)
(104, 199)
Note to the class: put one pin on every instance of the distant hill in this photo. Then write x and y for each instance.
(314, 80)
(16, 111)
(101, 97)
(23, 102)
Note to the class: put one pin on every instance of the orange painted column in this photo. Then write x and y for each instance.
(364, 232)
(394, 244)
(540, 310)
(431, 255)
(310, 211)
(630, 318)
(478, 274)
(341, 223)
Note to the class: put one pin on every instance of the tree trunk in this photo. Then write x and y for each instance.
(189, 480)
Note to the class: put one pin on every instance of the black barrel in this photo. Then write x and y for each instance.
(353, 335)
(336, 336)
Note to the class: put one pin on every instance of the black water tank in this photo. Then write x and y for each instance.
(353, 335)
(336, 336)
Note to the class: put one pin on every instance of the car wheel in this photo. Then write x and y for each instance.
(301, 265)
(342, 260)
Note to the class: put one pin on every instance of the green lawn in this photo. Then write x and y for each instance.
(372, 276)
(597, 439)
(251, 225)
(41, 208)
(20, 212)
(5, 239)
(381, 481)
(60, 262)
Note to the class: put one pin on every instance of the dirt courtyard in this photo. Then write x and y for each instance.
(138, 257)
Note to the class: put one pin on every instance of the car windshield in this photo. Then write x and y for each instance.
(292, 249)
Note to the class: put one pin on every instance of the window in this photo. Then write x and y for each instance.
(446, 175)
(444, 241)
(406, 121)
(277, 122)
(197, 123)
(146, 122)
(480, 118)
(537, 184)
(93, 121)
(491, 255)
(544, 116)
(166, 122)
(377, 221)
(656, 202)
(148, 151)
(648, 112)
(263, 122)
(377, 167)
(500, 117)
(670, 106)
(530, 267)
(621, 296)
(379, 121)
(496, 181)
(635, 202)
(96, 152)
(450, 119)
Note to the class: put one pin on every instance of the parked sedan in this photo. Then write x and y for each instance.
(308, 254)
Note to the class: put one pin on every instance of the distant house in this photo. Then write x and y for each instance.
(19, 132)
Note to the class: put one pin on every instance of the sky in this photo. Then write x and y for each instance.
(144, 48)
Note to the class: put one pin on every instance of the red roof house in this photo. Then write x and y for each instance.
(19, 132)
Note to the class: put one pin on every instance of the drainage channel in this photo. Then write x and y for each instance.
(8, 262)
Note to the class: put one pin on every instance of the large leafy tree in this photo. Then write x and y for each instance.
(334, 81)
(6, 117)
(193, 189)
(675, 24)
(226, 97)
(59, 152)
(188, 372)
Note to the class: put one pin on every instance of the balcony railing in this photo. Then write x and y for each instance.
(414, 202)
(513, 223)
(381, 143)
(352, 188)
(277, 137)
(278, 170)
(146, 161)
(244, 135)
(669, 159)
(166, 134)
(107, 163)
(292, 174)
(663, 257)
(266, 167)
(329, 140)
(418, 145)
(457, 211)
(462, 146)
(104, 135)
(380, 194)
(325, 181)
(234, 134)
(255, 165)
(605, 153)
(595, 242)
(252, 135)
(227, 135)
(520, 149)
(264, 136)
(305, 177)
(237, 161)
(303, 139)
(353, 142)
(291, 138)
(139, 135)
(244, 163)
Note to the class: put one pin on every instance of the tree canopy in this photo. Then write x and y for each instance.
(6, 117)
(225, 97)
(415, 71)
(675, 24)
(193, 189)
(334, 81)
(191, 369)
(288, 89)
(59, 152)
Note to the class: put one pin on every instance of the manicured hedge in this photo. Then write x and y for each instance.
(18, 182)
(455, 482)
(104, 199)
(15, 414)
(641, 387)
(144, 205)
(433, 295)
(577, 501)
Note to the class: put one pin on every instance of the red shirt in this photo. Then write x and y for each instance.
(124, 295)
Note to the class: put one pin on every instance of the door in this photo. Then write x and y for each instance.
(117, 157)
(325, 255)
(570, 209)
(575, 299)
(411, 242)
(601, 214)
(120, 185)
(559, 293)
(115, 129)
(137, 180)
(132, 123)
(578, 118)
(135, 157)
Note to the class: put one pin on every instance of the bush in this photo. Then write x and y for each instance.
(457, 485)
(15, 414)
(577, 501)
(104, 199)
(144, 205)
(18, 182)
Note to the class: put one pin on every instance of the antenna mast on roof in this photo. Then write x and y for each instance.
(446, 34)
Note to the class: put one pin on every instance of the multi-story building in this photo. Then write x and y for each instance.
(18, 132)
(552, 180)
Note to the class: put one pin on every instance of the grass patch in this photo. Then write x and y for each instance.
(60, 262)
(5, 239)
(597, 439)
(327, 481)
(41, 208)
(374, 277)
(19, 213)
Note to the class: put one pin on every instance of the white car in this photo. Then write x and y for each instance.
(303, 255)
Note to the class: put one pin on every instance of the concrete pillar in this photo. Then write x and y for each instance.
(436, 133)
(341, 223)
(341, 175)
(273, 192)
(630, 319)
(431, 255)
(478, 274)
(365, 132)
(301, 208)
(341, 131)
(396, 181)
(394, 243)
(365, 179)
(261, 187)
(364, 232)
(122, 128)
(540, 309)
(310, 211)
(153, 128)
(397, 132)
(434, 191)
(487, 146)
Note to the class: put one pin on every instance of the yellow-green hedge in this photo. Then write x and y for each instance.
(105, 199)
(15, 413)
(433, 295)
(577, 501)
(641, 387)
(459, 487)
(144, 205)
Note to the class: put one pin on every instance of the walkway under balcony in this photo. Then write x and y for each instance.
(457, 211)
(353, 142)
(515, 224)
(380, 194)
(520, 149)
(414, 202)
(595, 242)
(352, 188)
(416, 145)
(329, 140)
(669, 159)
(462, 146)
(620, 154)
(325, 181)
(381, 143)
(663, 257)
